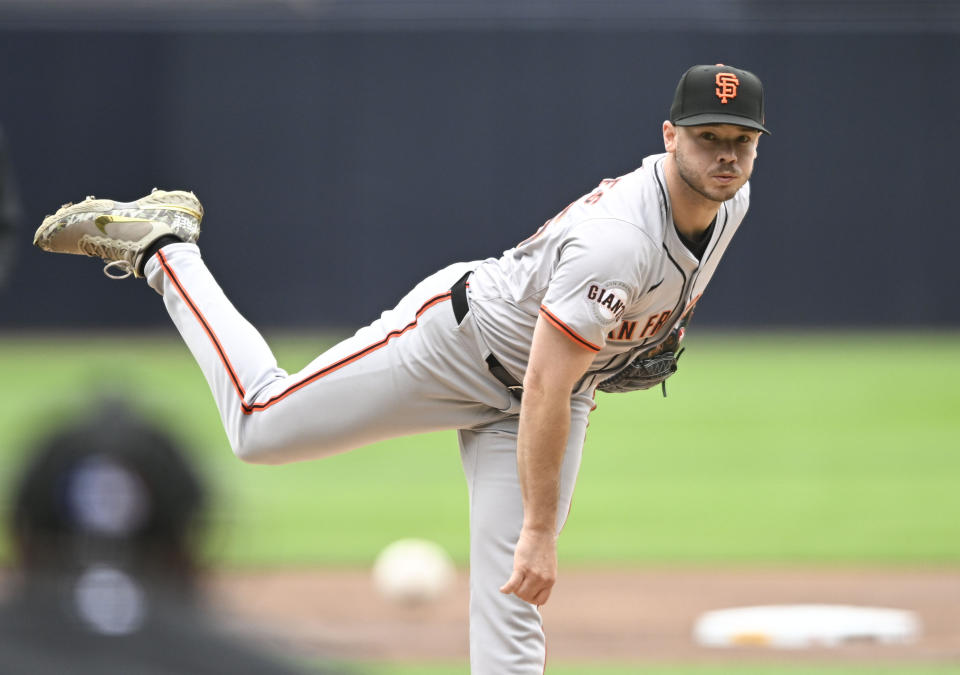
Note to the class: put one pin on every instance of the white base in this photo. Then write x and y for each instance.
(803, 626)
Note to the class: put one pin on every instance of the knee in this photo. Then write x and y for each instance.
(249, 455)
(267, 444)
(253, 445)
(254, 453)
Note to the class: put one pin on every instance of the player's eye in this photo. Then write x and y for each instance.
(743, 139)
(708, 136)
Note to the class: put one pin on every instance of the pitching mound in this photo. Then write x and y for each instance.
(602, 616)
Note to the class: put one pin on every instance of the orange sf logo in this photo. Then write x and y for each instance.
(727, 84)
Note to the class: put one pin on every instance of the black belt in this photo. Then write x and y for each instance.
(458, 298)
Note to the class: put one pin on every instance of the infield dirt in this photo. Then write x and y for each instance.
(614, 616)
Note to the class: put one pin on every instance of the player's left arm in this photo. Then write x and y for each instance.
(556, 364)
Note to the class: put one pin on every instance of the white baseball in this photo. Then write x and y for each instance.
(413, 571)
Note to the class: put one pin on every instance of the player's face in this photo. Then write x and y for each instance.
(715, 160)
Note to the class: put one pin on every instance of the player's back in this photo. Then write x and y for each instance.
(611, 258)
(615, 229)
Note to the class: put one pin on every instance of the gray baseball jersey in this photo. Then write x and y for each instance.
(609, 271)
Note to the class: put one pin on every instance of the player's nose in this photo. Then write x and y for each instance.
(727, 153)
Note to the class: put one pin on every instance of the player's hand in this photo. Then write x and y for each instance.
(534, 567)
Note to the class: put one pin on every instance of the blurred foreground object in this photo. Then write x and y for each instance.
(805, 626)
(104, 529)
(10, 212)
(413, 571)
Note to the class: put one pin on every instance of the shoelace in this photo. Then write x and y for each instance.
(110, 252)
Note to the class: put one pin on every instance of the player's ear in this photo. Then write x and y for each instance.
(669, 136)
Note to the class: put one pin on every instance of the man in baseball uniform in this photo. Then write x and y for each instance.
(508, 350)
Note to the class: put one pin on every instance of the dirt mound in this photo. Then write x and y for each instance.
(603, 616)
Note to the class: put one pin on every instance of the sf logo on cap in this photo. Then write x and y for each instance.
(727, 86)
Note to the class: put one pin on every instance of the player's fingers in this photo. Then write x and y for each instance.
(531, 588)
(512, 583)
(541, 598)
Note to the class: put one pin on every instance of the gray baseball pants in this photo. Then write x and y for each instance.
(411, 371)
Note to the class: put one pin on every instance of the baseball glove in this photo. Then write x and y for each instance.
(642, 373)
(651, 367)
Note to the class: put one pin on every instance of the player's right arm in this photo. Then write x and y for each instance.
(556, 364)
(601, 266)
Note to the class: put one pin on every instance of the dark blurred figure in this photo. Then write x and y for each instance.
(10, 213)
(104, 527)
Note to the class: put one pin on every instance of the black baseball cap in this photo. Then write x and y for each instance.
(718, 95)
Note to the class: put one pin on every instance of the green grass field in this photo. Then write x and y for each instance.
(771, 448)
(811, 449)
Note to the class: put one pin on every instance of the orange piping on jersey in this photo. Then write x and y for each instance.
(572, 334)
(203, 323)
(249, 409)
(691, 304)
(333, 367)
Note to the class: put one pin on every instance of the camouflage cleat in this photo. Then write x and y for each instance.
(118, 232)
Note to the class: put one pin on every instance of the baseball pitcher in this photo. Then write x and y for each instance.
(509, 351)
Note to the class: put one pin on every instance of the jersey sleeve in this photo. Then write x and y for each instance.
(601, 268)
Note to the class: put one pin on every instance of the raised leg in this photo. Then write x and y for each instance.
(413, 370)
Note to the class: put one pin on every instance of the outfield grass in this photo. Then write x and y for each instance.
(770, 449)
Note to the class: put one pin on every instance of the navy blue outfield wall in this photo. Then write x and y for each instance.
(340, 167)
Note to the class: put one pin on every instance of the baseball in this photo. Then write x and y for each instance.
(413, 571)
